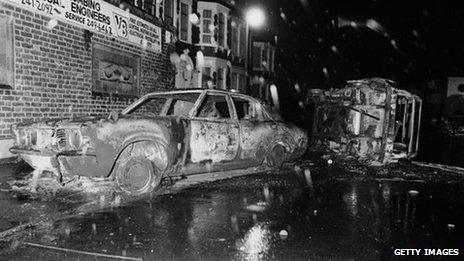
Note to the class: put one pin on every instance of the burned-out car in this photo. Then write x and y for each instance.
(371, 120)
(163, 134)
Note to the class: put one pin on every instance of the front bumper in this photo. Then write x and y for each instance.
(67, 164)
(38, 160)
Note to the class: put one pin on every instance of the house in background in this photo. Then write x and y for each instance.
(213, 49)
(212, 45)
(262, 69)
(444, 105)
(443, 97)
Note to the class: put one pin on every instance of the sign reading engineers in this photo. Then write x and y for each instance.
(100, 17)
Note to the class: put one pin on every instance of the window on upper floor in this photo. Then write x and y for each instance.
(152, 7)
(235, 40)
(169, 11)
(221, 29)
(148, 6)
(264, 58)
(159, 12)
(243, 83)
(206, 76)
(256, 56)
(243, 39)
(138, 3)
(272, 61)
(207, 24)
(184, 22)
(234, 81)
(207, 72)
(220, 78)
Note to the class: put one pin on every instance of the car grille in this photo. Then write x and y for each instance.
(61, 137)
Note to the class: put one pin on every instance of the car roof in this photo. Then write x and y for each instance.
(187, 91)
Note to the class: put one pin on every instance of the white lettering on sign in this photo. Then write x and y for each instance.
(100, 17)
(425, 252)
(121, 25)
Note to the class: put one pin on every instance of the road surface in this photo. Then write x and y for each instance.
(302, 213)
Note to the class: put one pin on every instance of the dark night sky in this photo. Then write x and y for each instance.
(324, 43)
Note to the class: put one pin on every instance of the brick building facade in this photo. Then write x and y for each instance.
(54, 68)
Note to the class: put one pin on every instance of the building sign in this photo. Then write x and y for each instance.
(100, 17)
(114, 72)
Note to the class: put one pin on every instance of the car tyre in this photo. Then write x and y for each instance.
(276, 157)
(137, 175)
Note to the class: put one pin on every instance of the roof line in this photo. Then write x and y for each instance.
(182, 91)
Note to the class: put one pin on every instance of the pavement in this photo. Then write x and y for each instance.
(306, 211)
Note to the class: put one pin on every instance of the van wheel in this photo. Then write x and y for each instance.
(137, 175)
(276, 157)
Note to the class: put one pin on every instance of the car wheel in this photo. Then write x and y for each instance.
(276, 156)
(137, 175)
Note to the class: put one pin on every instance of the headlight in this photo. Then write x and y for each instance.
(75, 139)
(33, 137)
(21, 137)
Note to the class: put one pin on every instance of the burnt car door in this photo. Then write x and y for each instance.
(214, 136)
(254, 131)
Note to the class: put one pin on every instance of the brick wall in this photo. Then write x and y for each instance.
(53, 71)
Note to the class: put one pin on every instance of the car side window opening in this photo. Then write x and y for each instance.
(214, 107)
(181, 104)
(246, 110)
(152, 106)
(169, 105)
(179, 108)
(271, 113)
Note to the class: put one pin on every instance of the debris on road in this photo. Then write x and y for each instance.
(439, 166)
(82, 252)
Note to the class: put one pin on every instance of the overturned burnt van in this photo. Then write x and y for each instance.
(370, 120)
(163, 134)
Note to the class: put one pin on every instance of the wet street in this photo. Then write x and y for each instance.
(123, 125)
(267, 216)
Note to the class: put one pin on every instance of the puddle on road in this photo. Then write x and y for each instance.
(267, 217)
